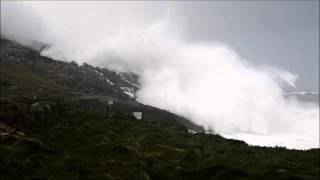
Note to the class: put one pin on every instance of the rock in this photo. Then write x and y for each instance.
(282, 170)
(20, 133)
(37, 107)
(48, 108)
(6, 129)
(12, 88)
(4, 134)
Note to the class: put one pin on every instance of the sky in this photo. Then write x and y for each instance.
(225, 66)
(284, 34)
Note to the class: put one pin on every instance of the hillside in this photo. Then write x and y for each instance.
(53, 126)
(90, 87)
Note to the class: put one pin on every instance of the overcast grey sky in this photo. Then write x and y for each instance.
(284, 34)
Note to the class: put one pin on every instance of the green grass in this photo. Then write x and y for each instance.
(20, 79)
(87, 146)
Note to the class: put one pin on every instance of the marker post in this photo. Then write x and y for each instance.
(108, 108)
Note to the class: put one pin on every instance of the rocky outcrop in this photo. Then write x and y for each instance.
(22, 113)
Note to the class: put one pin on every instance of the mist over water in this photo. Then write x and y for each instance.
(206, 82)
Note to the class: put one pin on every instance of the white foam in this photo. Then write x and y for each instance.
(290, 141)
(128, 91)
(302, 93)
(108, 81)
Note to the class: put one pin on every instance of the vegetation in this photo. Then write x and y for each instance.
(84, 145)
(19, 79)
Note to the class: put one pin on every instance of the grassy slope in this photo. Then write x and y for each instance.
(20, 79)
(87, 146)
